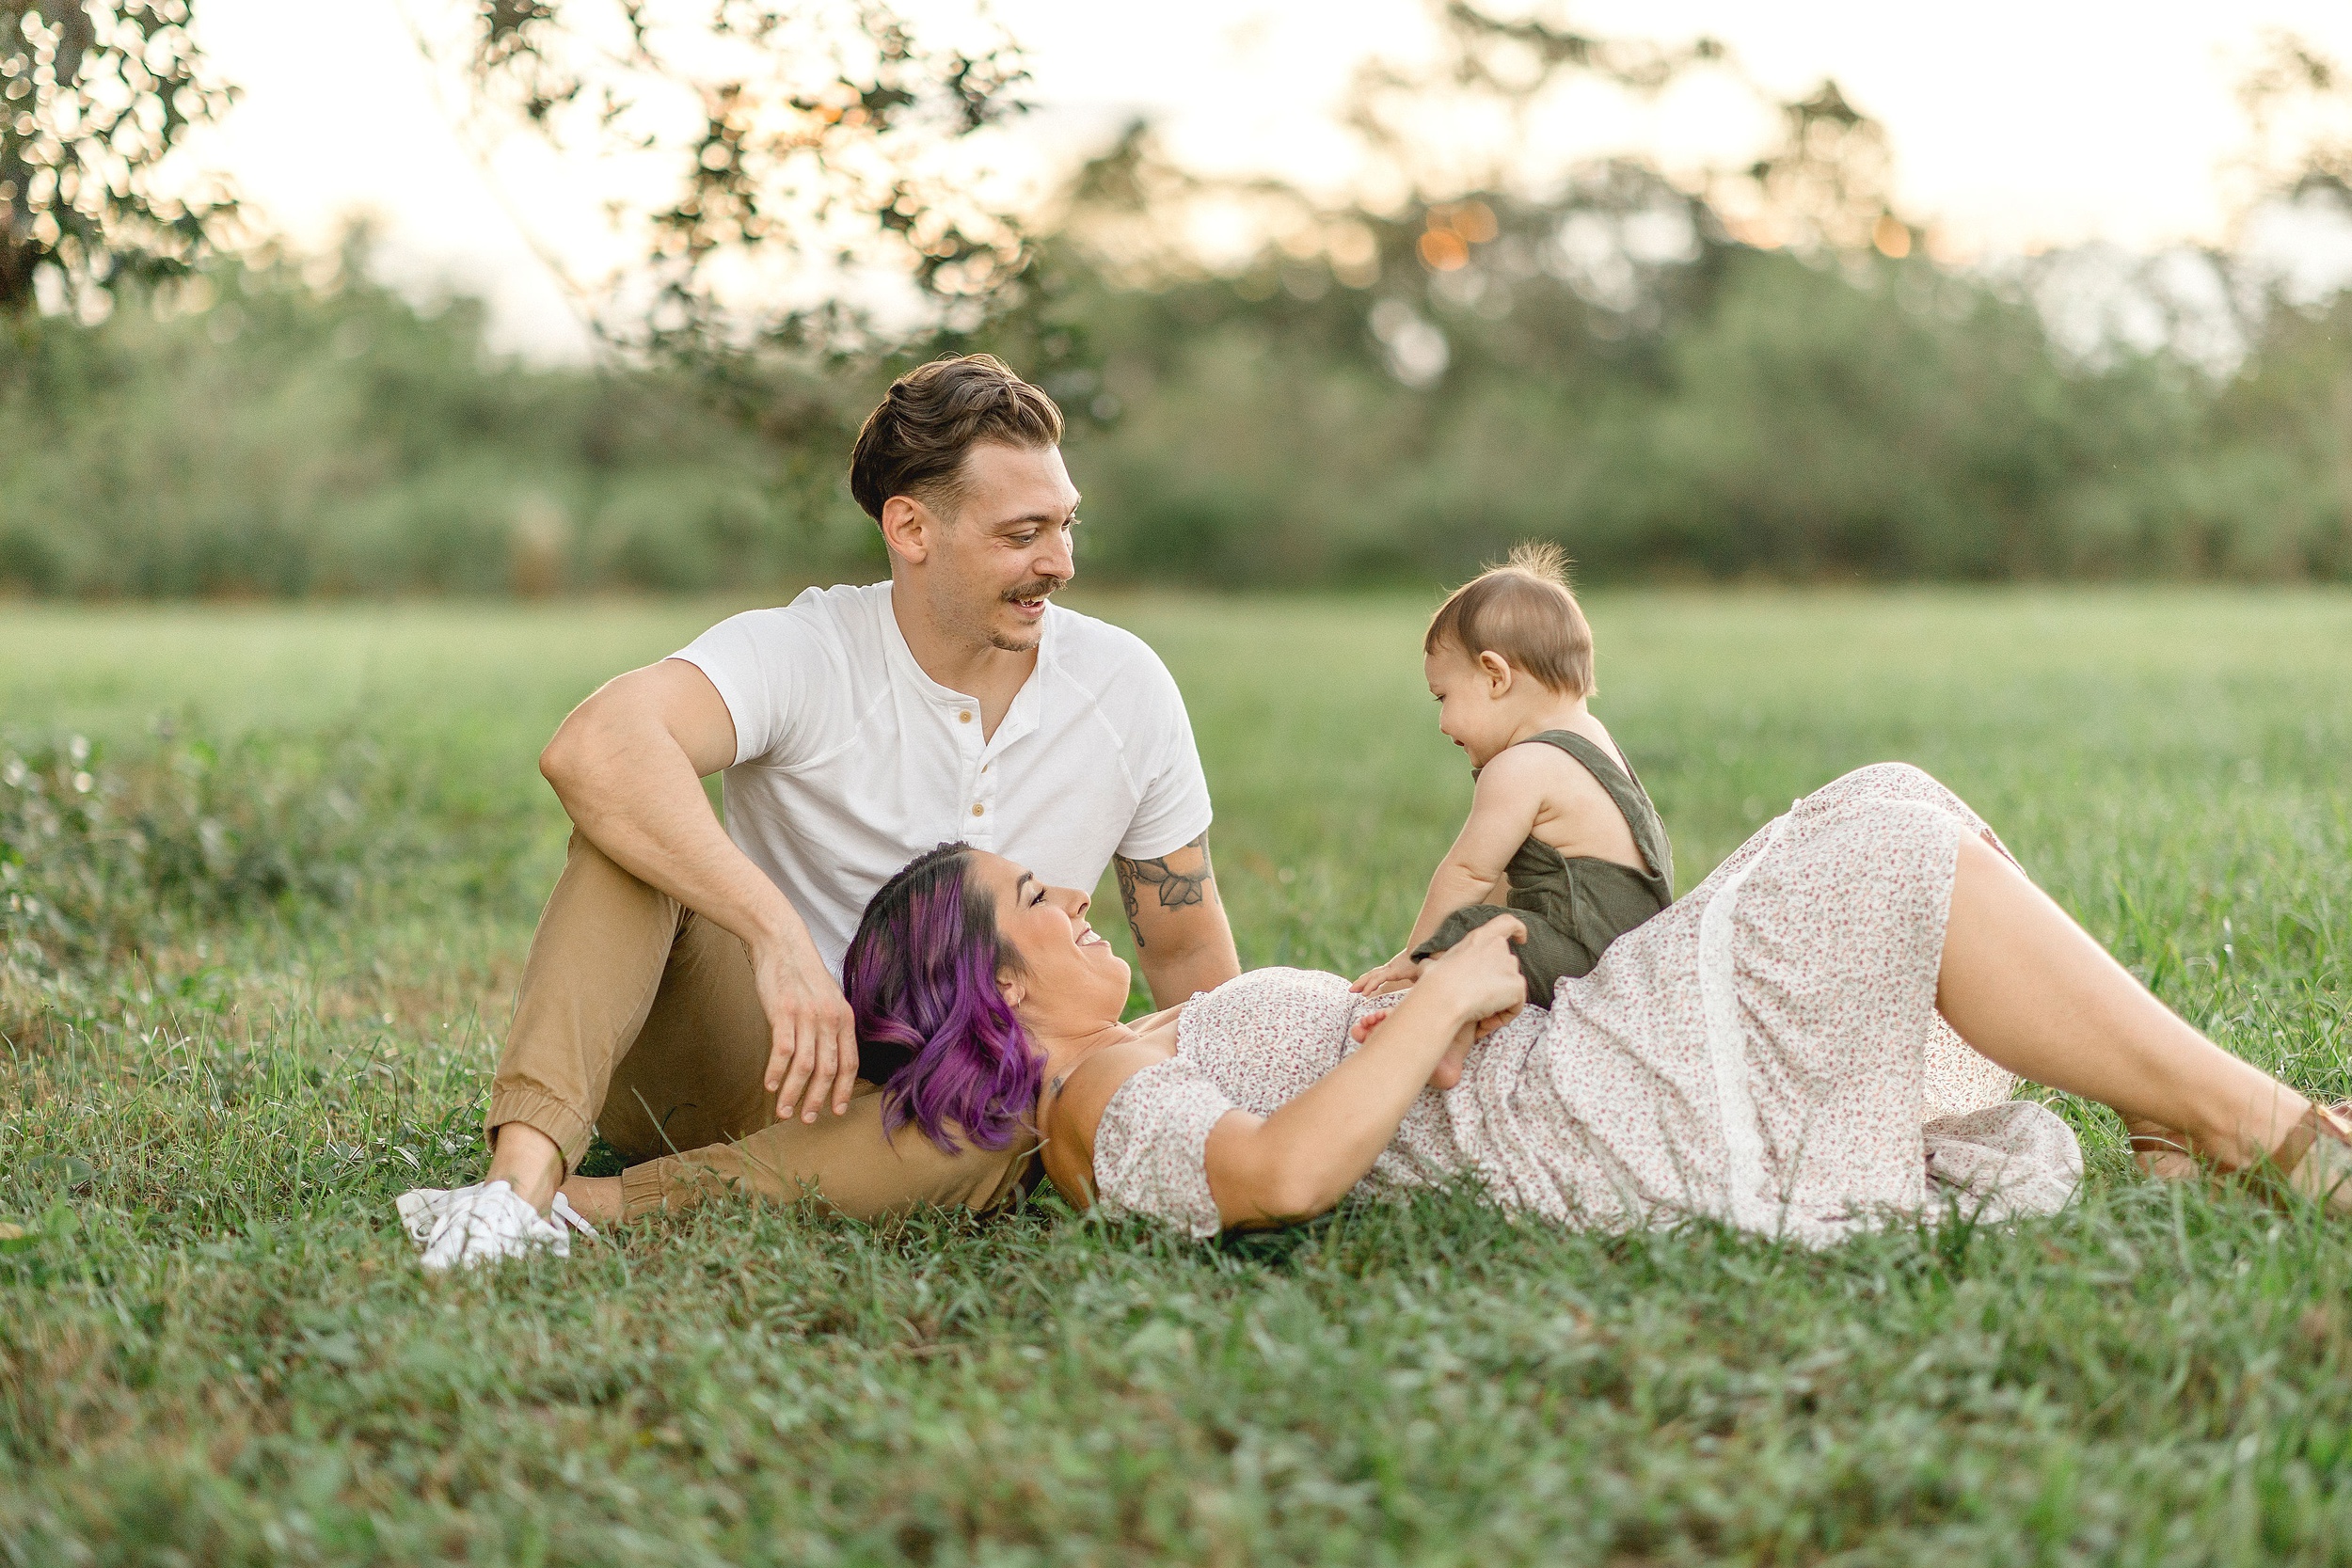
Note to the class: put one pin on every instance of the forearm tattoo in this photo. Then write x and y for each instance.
(1175, 889)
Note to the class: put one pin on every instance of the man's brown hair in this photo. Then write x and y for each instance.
(913, 443)
(1524, 610)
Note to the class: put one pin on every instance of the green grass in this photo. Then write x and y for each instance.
(214, 1346)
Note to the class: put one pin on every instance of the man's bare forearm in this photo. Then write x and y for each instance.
(629, 786)
(1175, 974)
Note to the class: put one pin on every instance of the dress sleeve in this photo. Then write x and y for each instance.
(1151, 1147)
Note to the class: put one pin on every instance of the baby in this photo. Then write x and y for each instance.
(1561, 834)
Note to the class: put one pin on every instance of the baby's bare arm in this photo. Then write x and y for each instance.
(1503, 814)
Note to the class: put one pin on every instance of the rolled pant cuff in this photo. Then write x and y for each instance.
(543, 1112)
(668, 1184)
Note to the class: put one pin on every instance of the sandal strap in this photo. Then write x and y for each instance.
(2274, 1177)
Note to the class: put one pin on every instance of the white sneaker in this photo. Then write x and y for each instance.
(424, 1209)
(421, 1209)
(485, 1224)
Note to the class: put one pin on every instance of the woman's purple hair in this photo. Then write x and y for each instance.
(921, 977)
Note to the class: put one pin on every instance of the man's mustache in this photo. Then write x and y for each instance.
(1038, 590)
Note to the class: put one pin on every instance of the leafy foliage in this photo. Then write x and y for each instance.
(792, 148)
(94, 97)
(288, 440)
(1759, 371)
(108, 866)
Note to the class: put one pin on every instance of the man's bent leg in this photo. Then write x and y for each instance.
(596, 964)
(694, 1071)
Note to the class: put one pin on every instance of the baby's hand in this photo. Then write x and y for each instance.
(1397, 974)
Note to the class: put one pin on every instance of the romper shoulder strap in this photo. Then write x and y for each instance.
(1632, 800)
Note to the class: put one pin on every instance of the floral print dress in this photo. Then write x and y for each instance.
(1767, 1052)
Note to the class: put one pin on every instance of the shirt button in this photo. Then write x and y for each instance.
(964, 717)
(976, 810)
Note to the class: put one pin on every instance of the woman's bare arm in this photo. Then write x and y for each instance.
(1301, 1160)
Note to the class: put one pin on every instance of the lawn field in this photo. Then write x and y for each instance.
(267, 876)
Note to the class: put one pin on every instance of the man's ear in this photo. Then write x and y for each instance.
(910, 529)
(1010, 988)
(1497, 672)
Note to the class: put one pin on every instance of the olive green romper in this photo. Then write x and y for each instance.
(1575, 907)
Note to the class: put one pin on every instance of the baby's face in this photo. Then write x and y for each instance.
(1470, 710)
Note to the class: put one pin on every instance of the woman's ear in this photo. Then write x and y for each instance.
(1497, 672)
(1009, 986)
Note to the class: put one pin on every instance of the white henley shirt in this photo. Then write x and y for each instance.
(849, 760)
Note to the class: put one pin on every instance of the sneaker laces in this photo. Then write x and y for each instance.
(562, 1210)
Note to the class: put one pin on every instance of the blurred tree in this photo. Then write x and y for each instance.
(761, 153)
(94, 97)
(2298, 106)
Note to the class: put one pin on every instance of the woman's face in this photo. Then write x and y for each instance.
(1065, 968)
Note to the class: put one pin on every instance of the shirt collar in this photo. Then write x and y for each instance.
(1021, 718)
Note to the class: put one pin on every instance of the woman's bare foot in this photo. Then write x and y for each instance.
(2161, 1153)
(2167, 1156)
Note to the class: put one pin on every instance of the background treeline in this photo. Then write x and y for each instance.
(1358, 412)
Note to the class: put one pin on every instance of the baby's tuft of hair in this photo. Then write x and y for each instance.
(1524, 610)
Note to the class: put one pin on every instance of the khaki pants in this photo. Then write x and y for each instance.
(637, 1018)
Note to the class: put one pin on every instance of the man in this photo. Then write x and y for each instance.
(682, 992)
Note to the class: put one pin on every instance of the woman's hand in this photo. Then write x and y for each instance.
(1480, 975)
(1397, 974)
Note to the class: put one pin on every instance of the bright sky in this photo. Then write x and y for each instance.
(2015, 125)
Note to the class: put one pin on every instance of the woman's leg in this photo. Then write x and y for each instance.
(2029, 988)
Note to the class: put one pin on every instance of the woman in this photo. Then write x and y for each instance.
(1782, 1049)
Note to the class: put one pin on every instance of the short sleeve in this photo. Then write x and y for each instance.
(1151, 1146)
(1172, 808)
(767, 664)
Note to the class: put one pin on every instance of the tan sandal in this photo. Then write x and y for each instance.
(2313, 1163)
(2164, 1155)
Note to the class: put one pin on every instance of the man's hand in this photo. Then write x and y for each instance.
(814, 1034)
